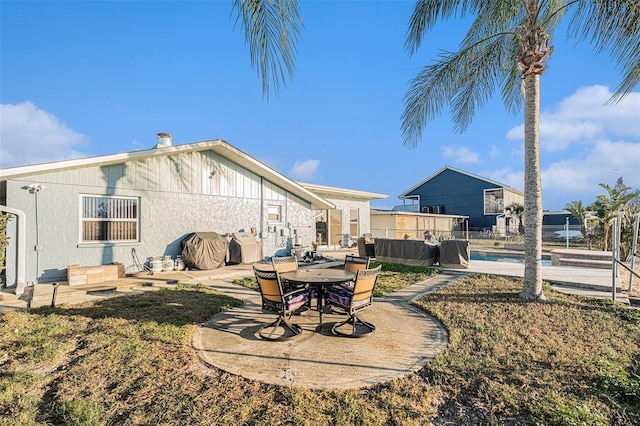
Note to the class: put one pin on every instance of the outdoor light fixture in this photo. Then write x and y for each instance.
(35, 187)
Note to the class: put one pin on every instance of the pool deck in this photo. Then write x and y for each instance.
(590, 282)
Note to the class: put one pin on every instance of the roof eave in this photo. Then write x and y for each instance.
(217, 145)
(332, 190)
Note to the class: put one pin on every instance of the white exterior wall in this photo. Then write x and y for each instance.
(345, 204)
(177, 196)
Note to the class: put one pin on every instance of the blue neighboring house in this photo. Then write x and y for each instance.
(456, 192)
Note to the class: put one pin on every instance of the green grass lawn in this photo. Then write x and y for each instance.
(129, 360)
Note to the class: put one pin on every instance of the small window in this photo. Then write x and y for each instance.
(274, 214)
(353, 222)
(108, 219)
(493, 201)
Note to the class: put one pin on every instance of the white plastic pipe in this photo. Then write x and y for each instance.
(22, 232)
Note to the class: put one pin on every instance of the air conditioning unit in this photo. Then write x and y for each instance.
(426, 209)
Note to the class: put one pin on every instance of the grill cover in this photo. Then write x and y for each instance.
(454, 254)
(204, 250)
(243, 248)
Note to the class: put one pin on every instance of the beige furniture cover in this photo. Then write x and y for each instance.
(204, 250)
(244, 248)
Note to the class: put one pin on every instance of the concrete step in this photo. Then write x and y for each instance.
(586, 263)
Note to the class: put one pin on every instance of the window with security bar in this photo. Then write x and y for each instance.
(109, 219)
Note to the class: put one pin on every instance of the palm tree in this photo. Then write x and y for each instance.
(578, 211)
(272, 29)
(507, 46)
(609, 206)
(517, 210)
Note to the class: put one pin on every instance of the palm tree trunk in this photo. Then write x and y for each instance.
(532, 285)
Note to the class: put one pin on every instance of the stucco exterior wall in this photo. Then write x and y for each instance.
(172, 204)
(345, 204)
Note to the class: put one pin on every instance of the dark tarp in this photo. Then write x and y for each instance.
(454, 254)
(366, 247)
(244, 248)
(204, 250)
(405, 252)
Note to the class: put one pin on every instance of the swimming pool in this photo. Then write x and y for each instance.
(503, 257)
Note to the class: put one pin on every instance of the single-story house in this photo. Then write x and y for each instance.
(399, 225)
(457, 192)
(349, 219)
(105, 209)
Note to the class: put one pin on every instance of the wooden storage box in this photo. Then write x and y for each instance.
(78, 275)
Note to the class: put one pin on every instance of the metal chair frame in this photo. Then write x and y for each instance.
(271, 290)
(361, 298)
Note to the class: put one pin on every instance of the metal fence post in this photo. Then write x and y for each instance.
(634, 248)
(55, 292)
(614, 227)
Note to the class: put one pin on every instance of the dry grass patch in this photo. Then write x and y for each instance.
(129, 361)
(563, 361)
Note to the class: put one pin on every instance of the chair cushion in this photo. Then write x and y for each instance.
(297, 299)
(339, 298)
(342, 297)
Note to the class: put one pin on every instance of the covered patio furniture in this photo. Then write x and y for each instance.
(406, 252)
(204, 250)
(454, 254)
(276, 298)
(244, 248)
(353, 301)
(366, 246)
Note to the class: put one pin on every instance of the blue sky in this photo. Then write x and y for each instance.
(84, 78)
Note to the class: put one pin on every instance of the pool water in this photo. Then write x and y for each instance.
(491, 257)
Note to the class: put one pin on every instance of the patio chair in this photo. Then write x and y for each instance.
(354, 301)
(355, 263)
(352, 264)
(284, 264)
(276, 299)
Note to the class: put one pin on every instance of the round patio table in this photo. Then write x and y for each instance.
(319, 279)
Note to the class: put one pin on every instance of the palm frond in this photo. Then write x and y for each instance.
(427, 13)
(465, 79)
(272, 29)
(612, 26)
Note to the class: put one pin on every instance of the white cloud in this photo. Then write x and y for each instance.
(507, 176)
(460, 155)
(304, 170)
(579, 178)
(584, 117)
(30, 135)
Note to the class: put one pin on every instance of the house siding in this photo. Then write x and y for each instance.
(457, 194)
(178, 195)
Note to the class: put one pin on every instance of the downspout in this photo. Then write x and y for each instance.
(261, 208)
(22, 226)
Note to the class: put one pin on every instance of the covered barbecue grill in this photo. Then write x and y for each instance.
(244, 248)
(204, 250)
